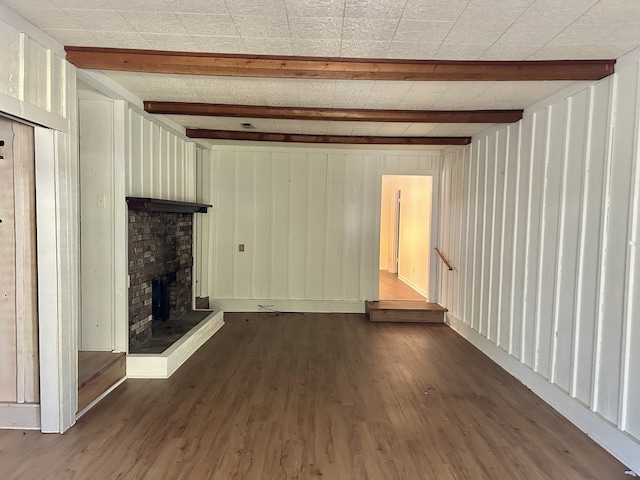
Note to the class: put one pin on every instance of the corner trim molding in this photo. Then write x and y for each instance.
(618, 443)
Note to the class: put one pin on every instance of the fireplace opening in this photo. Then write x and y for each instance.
(161, 297)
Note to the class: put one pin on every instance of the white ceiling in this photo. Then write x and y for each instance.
(423, 29)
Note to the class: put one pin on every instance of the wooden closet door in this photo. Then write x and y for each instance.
(19, 372)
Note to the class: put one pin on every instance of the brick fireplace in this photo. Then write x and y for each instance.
(160, 264)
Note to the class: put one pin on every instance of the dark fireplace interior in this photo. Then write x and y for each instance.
(161, 297)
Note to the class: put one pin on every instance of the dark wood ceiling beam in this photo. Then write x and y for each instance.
(270, 66)
(334, 139)
(334, 114)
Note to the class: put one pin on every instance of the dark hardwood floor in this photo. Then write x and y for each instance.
(318, 396)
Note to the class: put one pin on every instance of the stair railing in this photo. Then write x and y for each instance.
(443, 258)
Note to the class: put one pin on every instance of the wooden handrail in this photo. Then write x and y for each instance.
(442, 257)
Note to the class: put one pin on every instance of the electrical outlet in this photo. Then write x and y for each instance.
(241, 247)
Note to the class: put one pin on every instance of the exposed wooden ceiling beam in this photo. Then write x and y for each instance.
(336, 139)
(268, 66)
(334, 114)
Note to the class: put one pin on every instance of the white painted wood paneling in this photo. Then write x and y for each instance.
(307, 219)
(543, 224)
(37, 85)
(33, 77)
(160, 163)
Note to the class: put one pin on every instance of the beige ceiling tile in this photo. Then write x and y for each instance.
(208, 24)
(72, 37)
(613, 12)
(214, 44)
(518, 94)
(268, 46)
(418, 31)
(365, 130)
(411, 50)
(314, 47)
(83, 4)
(625, 34)
(348, 102)
(442, 11)
(363, 49)
(120, 40)
(474, 33)
(199, 6)
(295, 129)
(452, 130)
(382, 101)
(418, 101)
(468, 129)
(262, 26)
(107, 20)
(156, 22)
(529, 32)
(315, 27)
(315, 8)
(326, 87)
(552, 11)
(340, 128)
(393, 128)
(315, 100)
(509, 51)
(428, 88)
(16, 4)
(382, 9)
(554, 51)
(257, 8)
(178, 43)
(581, 32)
(420, 129)
(391, 88)
(460, 51)
(364, 29)
(493, 15)
(314, 126)
(49, 18)
(139, 5)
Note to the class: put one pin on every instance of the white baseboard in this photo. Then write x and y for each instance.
(618, 443)
(20, 416)
(408, 282)
(163, 365)
(315, 306)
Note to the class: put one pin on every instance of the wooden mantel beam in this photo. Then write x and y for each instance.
(334, 139)
(271, 66)
(334, 114)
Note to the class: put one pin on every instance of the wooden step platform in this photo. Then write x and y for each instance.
(97, 372)
(405, 311)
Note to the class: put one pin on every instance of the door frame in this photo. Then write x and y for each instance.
(435, 226)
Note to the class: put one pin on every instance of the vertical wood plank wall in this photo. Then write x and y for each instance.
(307, 220)
(160, 163)
(540, 220)
(38, 85)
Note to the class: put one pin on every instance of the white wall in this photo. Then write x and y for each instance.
(309, 220)
(123, 152)
(37, 85)
(541, 224)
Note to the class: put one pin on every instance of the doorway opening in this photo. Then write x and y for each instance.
(405, 237)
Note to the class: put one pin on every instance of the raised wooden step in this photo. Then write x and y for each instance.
(405, 311)
(97, 372)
